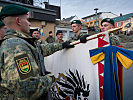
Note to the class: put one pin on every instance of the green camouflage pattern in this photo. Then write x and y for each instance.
(42, 41)
(114, 39)
(33, 86)
(59, 42)
(76, 37)
(50, 39)
(125, 38)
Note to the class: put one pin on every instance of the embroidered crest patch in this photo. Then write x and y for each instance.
(23, 66)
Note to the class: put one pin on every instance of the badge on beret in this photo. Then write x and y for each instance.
(108, 19)
(23, 66)
(76, 22)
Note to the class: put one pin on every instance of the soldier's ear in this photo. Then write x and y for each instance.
(18, 22)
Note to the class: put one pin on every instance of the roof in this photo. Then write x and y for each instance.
(92, 15)
(97, 14)
(121, 18)
(69, 18)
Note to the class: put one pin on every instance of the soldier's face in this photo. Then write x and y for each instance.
(50, 34)
(36, 34)
(60, 36)
(106, 26)
(76, 28)
(25, 24)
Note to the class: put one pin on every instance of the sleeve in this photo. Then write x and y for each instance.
(47, 40)
(96, 55)
(51, 48)
(20, 73)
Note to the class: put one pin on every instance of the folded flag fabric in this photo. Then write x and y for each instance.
(111, 55)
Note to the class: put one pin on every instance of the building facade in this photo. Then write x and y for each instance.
(95, 20)
(122, 19)
(39, 17)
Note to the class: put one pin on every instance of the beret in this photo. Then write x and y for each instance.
(1, 23)
(59, 31)
(111, 21)
(32, 30)
(50, 32)
(12, 10)
(76, 22)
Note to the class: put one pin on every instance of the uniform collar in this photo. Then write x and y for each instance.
(16, 33)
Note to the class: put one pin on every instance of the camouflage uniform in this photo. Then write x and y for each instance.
(114, 39)
(16, 52)
(50, 39)
(42, 41)
(76, 37)
(59, 42)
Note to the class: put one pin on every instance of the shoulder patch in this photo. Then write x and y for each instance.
(23, 66)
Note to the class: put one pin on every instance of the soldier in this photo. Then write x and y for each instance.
(76, 27)
(22, 74)
(50, 38)
(2, 30)
(108, 24)
(59, 35)
(36, 33)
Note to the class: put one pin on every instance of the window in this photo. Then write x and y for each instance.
(118, 24)
(64, 35)
(91, 23)
(96, 22)
(85, 20)
(71, 34)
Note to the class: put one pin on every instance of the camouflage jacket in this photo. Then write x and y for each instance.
(50, 39)
(114, 40)
(59, 42)
(76, 37)
(42, 41)
(19, 67)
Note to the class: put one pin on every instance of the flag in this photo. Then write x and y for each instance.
(75, 74)
(41, 31)
(111, 55)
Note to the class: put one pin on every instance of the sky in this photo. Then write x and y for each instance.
(83, 8)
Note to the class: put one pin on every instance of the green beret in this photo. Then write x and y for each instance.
(1, 24)
(12, 9)
(59, 31)
(111, 21)
(76, 22)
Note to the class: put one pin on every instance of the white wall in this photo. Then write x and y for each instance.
(108, 15)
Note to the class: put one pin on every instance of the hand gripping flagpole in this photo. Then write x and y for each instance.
(92, 37)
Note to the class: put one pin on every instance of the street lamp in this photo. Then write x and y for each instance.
(60, 10)
(96, 18)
